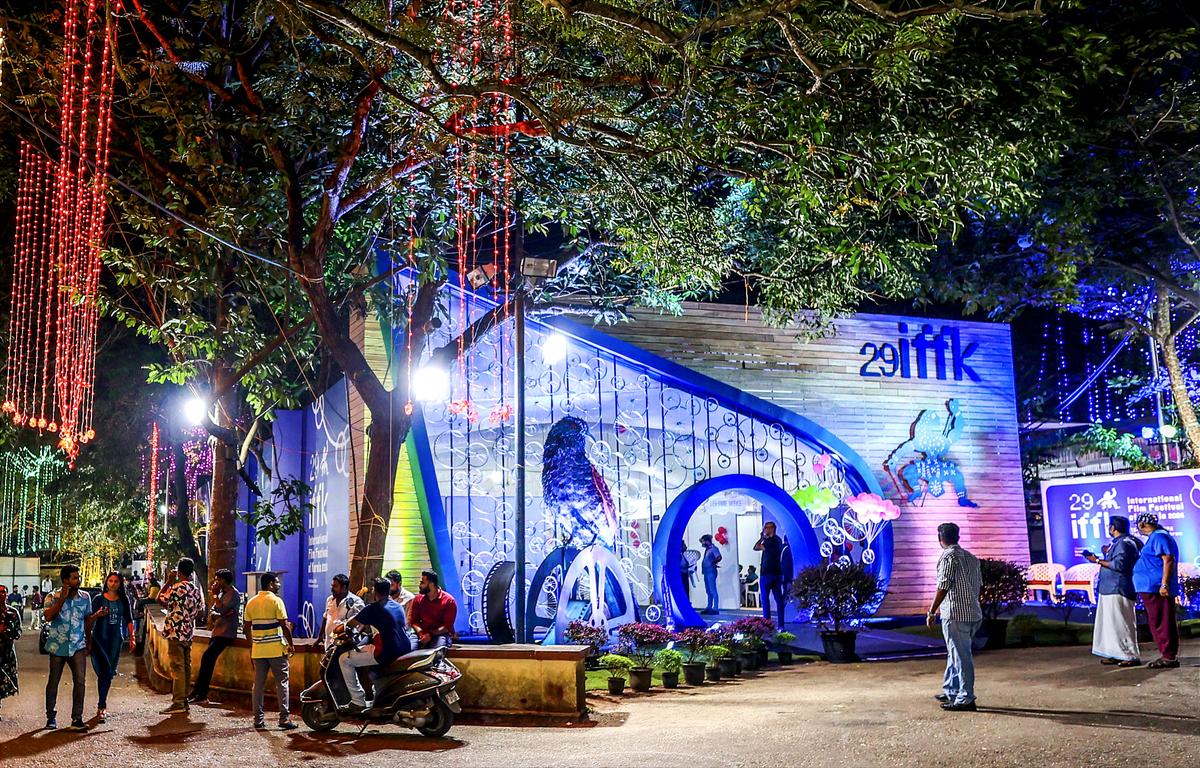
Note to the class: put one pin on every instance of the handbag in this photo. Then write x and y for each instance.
(43, 638)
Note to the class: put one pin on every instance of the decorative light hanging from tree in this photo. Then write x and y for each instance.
(30, 518)
(59, 234)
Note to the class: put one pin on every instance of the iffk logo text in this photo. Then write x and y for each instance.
(925, 354)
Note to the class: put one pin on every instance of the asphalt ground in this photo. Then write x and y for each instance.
(1038, 708)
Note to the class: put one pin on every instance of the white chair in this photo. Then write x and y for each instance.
(1045, 577)
(1082, 578)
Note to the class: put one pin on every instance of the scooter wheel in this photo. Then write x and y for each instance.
(439, 722)
(319, 717)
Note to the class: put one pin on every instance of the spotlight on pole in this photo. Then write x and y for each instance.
(1169, 431)
(1147, 433)
(195, 410)
(430, 382)
(554, 348)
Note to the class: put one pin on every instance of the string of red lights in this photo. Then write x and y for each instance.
(60, 230)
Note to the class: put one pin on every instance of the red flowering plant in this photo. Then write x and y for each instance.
(582, 633)
(641, 640)
(694, 641)
(754, 631)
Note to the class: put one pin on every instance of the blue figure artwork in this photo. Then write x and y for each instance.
(929, 470)
(574, 491)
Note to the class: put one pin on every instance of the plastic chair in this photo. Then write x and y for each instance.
(1045, 577)
(1082, 578)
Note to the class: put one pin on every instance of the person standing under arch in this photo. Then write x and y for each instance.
(708, 566)
(770, 570)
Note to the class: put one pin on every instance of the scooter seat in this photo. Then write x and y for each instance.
(409, 660)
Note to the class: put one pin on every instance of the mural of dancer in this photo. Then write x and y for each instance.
(928, 469)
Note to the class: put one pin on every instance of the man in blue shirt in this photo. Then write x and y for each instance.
(771, 577)
(708, 566)
(1115, 637)
(67, 640)
(391, 642)
(1157, 582)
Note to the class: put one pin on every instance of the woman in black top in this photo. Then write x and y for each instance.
(10, 630)
(112, 626)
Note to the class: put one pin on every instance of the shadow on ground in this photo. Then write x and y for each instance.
(1120, 719)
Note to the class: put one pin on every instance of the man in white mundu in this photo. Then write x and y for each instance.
(1115, 637)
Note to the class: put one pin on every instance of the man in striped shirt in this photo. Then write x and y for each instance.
(957, 599)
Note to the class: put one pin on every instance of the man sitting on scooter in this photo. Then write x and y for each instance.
(391, 642)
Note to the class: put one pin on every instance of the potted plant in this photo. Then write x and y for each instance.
(753, 632)
(693, 641)
(1003, 590)
(582, 633)
(783, 647)
(836, 599)
(641, 640)
(719, 662)
(670, 661)
(618, 667)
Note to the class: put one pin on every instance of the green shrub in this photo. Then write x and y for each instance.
(837, 598)
(668, 660)
(714, 652)
(616, 664)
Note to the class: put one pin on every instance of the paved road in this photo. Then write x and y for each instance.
(1040, 708)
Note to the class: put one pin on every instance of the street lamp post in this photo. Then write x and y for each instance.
(519, 419)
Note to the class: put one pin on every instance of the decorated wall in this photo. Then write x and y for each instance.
(878, 382)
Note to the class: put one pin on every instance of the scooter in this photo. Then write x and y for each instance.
(416, 690)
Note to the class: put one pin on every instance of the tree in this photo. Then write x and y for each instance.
(1115, 232)
(814, 150)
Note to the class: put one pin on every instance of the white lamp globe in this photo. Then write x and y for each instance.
(195, 410)
(430, 382)
(554, 348)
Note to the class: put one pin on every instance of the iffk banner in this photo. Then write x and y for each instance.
(1076, 511)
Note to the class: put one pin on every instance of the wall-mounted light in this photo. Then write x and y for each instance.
(1169, 431)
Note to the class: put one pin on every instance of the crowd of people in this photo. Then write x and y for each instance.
(1129, 569)
(77, 626)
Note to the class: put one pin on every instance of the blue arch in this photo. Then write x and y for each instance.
(792, 522)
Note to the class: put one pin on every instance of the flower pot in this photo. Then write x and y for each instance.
(763, 656)
(738, 664)
(640, 678)
(996, 632)
(693, 673)
(749, 660)
(670, 679)
(616, 685)
(785, 657)
(728, 666)
(713, 674)
(839, 647)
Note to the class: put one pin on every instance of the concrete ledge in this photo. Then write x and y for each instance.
(499, 681)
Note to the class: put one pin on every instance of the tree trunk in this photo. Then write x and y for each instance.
(386, 438)
(222, 521)
(1184, 408)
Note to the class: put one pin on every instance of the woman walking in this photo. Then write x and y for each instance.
(112, 627)
(10, 630)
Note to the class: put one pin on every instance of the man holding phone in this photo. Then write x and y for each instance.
(770, 571)
(1115, 637)
(67, 641)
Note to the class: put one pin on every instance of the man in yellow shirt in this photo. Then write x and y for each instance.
(265, 623)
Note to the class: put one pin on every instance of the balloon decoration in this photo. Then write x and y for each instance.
(29, 516)
(59, 233)
(871, 513)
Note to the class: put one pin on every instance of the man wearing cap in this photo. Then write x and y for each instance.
(1115, 638)
(1157, 583)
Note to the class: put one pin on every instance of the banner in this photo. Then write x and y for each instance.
(1077, 511)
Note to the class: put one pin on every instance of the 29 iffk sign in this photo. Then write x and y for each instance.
(1077, 510)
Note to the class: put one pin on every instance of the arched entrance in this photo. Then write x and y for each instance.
(791, 520)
